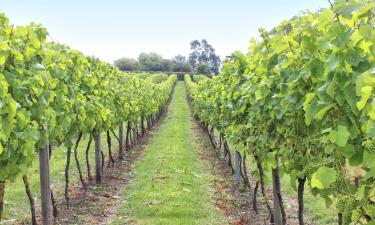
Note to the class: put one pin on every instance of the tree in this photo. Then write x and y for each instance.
(204, 53)
(180, 64)
(203, 69)
(179, 59)
(154, 62)
(126, 64)
(151, 62)
(195, 46)
(167, 65)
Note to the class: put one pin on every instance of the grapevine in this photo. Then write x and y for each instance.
(302, 96)
(50, 94)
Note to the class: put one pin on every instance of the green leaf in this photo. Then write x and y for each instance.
(341, 136)
(360, 195)
(368, 159)
(326, 16)
(344, 8)
(31, 134)
(311, 111)
(365, 95)
(363, 80)
(348, 151)
(309, 108)
(308, 98)
(2, 59)
(332, 63)
(323, 178)
(351, 99)
(323, 111)
(258, 94)
(372, 194)
(12, 108)
(365, 11)
(356, 159)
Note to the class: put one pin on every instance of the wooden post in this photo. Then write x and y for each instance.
(31, 199)
(98, 158)
(45, 187)
(276, 204)
(2, 190)
(142, 125)
(128, 136)
(238, 168)
(301, 189)
(121, 138)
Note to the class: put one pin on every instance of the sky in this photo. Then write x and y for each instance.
(110, 29)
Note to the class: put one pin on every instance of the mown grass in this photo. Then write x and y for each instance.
(169, 186)
(17, 208)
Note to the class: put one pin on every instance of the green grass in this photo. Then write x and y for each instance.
(169, 186)
(17, 208)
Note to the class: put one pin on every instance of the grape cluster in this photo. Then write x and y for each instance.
(359, 213)
(369, 145)
(290, 166)
(370, 210)
(347, 206)
(356, 215)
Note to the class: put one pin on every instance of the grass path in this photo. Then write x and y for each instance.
(169, 185)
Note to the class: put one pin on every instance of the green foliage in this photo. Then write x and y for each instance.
(180, 64)
(157, 78)
(142, 76)
(323, 178)
(199, 77)
(203, 69)
(203, 58)
(304, 94)
(126, 64)
(49, 93)
(154, 62)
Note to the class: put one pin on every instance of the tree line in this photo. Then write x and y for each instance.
(202, 60)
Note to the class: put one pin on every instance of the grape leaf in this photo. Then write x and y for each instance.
(323, 178)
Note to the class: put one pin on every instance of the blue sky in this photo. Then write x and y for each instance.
(110, 29)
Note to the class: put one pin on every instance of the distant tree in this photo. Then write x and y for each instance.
(180, 64)
(167, 65)
(151, 62)
(126, 64)
(154, 62)
(195, 47)
(203, 53)
(179, 59)
(203, 69)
